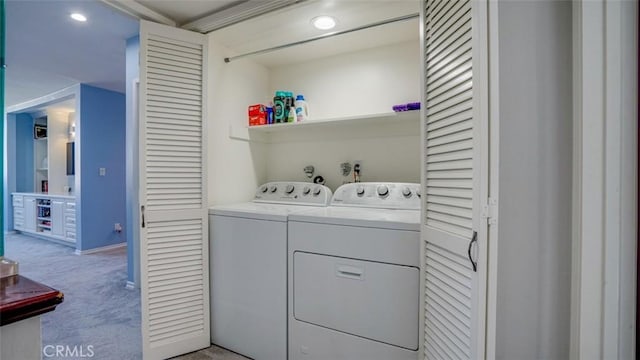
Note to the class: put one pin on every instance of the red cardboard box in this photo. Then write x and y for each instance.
(257, 115)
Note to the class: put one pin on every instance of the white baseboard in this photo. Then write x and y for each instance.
(130, 285)
(101, 249)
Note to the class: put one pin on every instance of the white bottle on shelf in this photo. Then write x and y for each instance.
(302, 109)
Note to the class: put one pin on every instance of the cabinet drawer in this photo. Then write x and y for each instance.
(71, 235)
(71, 206)
(18, 212)
(18, 224)
(17, 201)
(69, 220)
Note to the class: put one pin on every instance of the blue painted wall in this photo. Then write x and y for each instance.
(19, 166)
(24, 153)
(131, 229)
(9, 178)
(102, 145)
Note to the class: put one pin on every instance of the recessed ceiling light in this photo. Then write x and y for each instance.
(78, 17)
(324, 22)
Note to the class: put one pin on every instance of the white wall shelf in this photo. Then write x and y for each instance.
(368, 119)
(369, 125)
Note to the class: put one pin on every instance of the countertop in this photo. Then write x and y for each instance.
(22, 298)
(46, 195)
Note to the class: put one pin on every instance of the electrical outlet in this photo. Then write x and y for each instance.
(103, 171)
(117, 227)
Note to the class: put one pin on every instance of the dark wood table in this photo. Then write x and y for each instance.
(22, 298)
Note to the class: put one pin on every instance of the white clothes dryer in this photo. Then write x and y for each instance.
(354, 275)
(248, 271)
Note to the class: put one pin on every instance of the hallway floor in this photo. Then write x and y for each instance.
(97, 311)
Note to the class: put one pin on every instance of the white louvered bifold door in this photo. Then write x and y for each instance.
(454, 233)
(173, 238)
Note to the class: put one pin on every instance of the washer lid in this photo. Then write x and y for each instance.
(364, 217)
(259, 211)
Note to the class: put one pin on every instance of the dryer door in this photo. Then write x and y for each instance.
(369, 299)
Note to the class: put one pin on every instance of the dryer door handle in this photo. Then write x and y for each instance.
(350, 272)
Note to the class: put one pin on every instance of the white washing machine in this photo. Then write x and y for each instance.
(248, 271)
(354, 275)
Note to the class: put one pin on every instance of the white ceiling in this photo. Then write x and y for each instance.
(184, 11)
(47, 51)
(293, 24)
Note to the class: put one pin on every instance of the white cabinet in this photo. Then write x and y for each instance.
(57, 218)
(70, 221)
(29, 213)
(18, 212)
(45, 215)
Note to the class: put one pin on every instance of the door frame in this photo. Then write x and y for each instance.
(605, 164)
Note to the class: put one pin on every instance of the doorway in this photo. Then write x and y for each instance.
(51, 58)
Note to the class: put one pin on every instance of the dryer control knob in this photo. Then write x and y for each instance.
(360, 190)
(383, 190)
(306, 190)
(264, 188)
(317, 191)
(406, 192)
(289, 189)
(273, 188)
(418, 193)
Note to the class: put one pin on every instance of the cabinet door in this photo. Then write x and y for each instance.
(29, 214)
(18, 212)
(57, 218)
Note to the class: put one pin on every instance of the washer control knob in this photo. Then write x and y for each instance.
(317, 191)
(306, 190)
(406, 192)
(273, 188)
(360, 190)
(264, 188)
(383, 190)
(289, 189)
(418, 193)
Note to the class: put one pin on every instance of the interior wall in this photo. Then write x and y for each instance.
(71, 179)
(352, 84)
(23, 151)
(9, 178)
(534, 260)
(57, 138)
(388, 159)
(357, 83)
(235, 167)
(102, 133)
(19, 160)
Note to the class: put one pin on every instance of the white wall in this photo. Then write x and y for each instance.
(58, 136)
(71, 179)
(236, 167)
(365, 82)
(534, 256)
